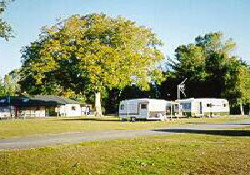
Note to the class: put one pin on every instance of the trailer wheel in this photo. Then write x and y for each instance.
(133, 119)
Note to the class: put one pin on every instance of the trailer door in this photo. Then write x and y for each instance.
(143, 110)
(200, 107)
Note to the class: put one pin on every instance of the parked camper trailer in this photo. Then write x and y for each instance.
(149, 109)
(198, 107)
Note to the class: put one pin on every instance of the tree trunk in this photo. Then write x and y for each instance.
(241, 109)
(249, 110)
(98, 107)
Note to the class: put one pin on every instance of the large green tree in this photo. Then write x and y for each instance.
(5, 29)
(238, 85)
(9, 85)
(2, 89)
(210, 67)
(93, 53)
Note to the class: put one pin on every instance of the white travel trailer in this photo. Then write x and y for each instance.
(149, 109)
(198, 107)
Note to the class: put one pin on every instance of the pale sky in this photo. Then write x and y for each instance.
(176, 22)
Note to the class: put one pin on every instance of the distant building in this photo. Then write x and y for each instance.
(39, 106)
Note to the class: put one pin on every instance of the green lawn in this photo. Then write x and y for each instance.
(28, 127)
(158, 155)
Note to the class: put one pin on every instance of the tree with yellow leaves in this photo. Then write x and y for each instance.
(93, 53)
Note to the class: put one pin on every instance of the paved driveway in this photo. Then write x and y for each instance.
(69, 138)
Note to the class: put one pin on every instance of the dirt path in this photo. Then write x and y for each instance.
(70, 138)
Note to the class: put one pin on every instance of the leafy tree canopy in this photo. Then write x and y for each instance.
(9, 85)
(5, 28)
(92, 53)
(209, 65)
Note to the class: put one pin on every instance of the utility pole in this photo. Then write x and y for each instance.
(181, 89)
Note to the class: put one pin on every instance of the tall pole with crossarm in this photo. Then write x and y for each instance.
(181, 89)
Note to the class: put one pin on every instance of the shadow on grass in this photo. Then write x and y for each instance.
(197, 123)
(208, 132)
(90, 119)
(207, 123)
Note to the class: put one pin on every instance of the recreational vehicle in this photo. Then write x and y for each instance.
(149, 109)
(198, 107)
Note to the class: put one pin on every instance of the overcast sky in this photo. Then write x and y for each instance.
(176, 22)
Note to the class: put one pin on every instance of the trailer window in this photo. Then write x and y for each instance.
(168, 110)
(186, 106)
(143, 106)
(122, 107)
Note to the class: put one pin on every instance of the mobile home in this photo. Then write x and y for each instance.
(149, 109)
(198, 107)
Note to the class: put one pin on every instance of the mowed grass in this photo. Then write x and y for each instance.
(184, 154)
(37, 126)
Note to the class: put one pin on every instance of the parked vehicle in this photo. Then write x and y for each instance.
(149, 109)
(198, 107)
